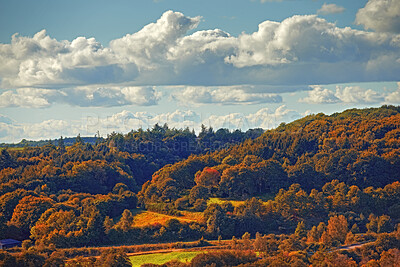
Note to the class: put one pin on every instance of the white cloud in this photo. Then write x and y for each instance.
(125, 121)
(41, 60)
(300, 50)
(27, 97)
(380, 15)
(330, 9)
(93, 96)
(348, 94)
(87, 96)
(36, 131)
(264, 118)
(302, 41)
(151, 44)
(141, 96)
(394, 97)
(320, 95)
(356, 94)
(228, 95)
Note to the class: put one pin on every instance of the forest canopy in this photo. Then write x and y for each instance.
(319, 178)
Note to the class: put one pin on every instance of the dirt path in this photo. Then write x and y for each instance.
(354, 246)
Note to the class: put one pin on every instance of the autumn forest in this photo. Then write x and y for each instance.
(323, 190)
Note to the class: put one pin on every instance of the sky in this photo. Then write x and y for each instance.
(96, 66)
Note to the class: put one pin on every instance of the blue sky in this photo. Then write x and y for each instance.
(87, 66)
(106, 20)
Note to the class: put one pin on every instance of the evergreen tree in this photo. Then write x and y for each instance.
(301, 230)
(61, 144)
(78, 139)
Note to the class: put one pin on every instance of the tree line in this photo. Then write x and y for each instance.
(321, 181)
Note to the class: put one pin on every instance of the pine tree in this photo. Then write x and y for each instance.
(61, 144)
(78, 139)
(301, 230)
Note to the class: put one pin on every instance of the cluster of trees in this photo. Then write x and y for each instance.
(372, 210)
(34, 258)
(130, 159)
(69, 141)
(357, 147)
(96, 220)
(301, 249)
(105, 175)
(324, 178)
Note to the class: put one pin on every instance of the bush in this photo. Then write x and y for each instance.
(223, 258)
(182, 203)
(200, 205)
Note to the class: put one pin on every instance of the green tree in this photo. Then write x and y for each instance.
(6, 161)
(61, 145)
(56, 259)
(200, 205)
(336, 230)
(246, 240)
(208, 177)
(126, 221)
(301, 230)
(113, 258)
(28, 211)
(78, 139)
(7, 260)
(30, 258)
(198, 192)
(384, 224)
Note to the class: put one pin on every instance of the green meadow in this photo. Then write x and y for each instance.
(161, 258)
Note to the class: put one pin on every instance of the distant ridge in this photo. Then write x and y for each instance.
(68, 141)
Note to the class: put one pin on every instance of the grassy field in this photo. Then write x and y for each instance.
(220, 201)
(161, 258)
(235, 203)
(144, 217)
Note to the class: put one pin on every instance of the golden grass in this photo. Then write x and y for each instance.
(220, 201)
(145, 218)
(161, 258)
(192, 215)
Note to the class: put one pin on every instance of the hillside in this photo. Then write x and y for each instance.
(306, 187)
(309, 170)
(357, 147)
(103, 176)
(68, 141)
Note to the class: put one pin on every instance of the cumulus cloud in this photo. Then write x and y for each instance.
(330, 9)
(27, 97)
(320, 95)
(309, 41)
(37, 131)
(150, 45)
(348, 94)
(125, 121)
(88, 96)
(394, 97)
(264, 118)
(114, 96)
(356, 94)
(224, 95)
(41, 60)
(300, 50)
(380, 15)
